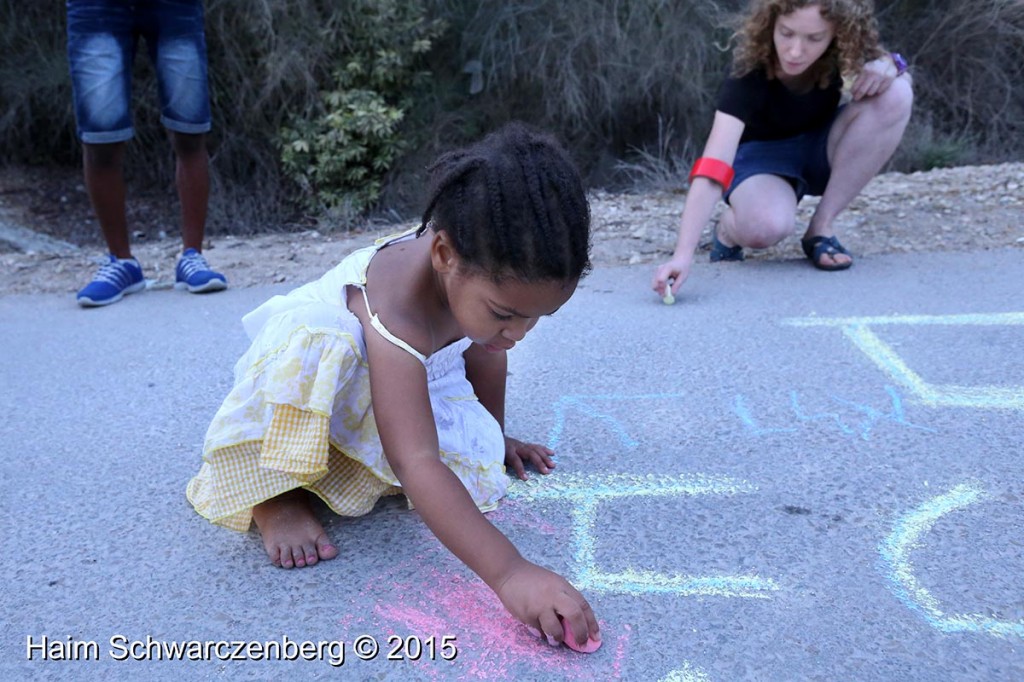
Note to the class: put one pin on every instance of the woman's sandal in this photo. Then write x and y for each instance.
(816, 247)
(721, 252)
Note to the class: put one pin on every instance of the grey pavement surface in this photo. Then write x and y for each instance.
(787, 475)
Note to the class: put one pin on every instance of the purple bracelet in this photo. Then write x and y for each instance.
(899, 62)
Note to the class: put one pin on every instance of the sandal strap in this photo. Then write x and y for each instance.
(816, 247)
(721, 252)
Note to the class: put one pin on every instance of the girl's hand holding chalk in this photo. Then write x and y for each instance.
(568, 639)
(548, 604)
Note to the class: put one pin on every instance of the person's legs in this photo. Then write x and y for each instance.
(761, 212)
(177, 45)
(863, 137)
(104, 181)
(192, 176)
(101, 48)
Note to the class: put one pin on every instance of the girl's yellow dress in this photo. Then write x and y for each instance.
(299, 415)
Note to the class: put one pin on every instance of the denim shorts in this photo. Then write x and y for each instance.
(102, 37)
(802, 160)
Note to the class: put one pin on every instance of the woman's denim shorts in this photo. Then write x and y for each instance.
(102, 37)
(802, 160)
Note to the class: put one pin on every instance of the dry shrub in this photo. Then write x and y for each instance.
(624, 82)
(601, 72)
(36, 114)
(610, 75)
(967, 60)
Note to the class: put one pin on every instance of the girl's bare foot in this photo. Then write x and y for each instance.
(291, 534)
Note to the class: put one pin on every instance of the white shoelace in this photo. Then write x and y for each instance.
(115, 273)
(193, 263)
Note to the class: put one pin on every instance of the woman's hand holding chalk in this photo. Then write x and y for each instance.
(668, 298)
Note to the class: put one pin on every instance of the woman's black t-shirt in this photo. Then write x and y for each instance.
(771, 111)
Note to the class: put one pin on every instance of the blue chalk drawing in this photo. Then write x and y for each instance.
(798, 411)
(858, 331)
(906, 535)
(743, 411)
(871, 416)
(586, 493)
(582, 404)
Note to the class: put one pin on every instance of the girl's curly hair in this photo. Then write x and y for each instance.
(855, 42)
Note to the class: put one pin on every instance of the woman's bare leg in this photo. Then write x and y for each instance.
(761, 213)
(863, 137)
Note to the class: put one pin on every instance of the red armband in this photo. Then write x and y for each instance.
(713, 169)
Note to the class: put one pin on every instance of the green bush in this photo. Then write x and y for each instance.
(339, 157)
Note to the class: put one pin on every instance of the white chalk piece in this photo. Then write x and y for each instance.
(668, 298)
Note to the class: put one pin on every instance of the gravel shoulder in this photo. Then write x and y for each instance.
(971, 208)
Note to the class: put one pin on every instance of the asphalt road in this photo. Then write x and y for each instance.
(787, 475)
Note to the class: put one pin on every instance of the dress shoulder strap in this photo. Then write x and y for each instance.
(383, 331)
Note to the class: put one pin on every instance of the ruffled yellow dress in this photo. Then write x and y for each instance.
(300, 416)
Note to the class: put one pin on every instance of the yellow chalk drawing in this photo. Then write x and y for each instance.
(859, 331)
(686, 674)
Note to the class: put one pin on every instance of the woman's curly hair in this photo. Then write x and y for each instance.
(855, 43)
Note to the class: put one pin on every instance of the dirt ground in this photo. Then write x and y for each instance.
(50, 243)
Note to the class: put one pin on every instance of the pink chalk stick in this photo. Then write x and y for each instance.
(568, 639)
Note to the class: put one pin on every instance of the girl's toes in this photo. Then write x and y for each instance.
(309, 552)
(324, 549)
(286, 557)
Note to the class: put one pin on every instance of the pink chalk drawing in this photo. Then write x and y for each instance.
(513, 514)
(491, 643)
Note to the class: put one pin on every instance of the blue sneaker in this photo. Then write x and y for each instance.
(111, 282)
(194, 274)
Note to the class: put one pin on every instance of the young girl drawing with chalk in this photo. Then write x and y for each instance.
(387, 375)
